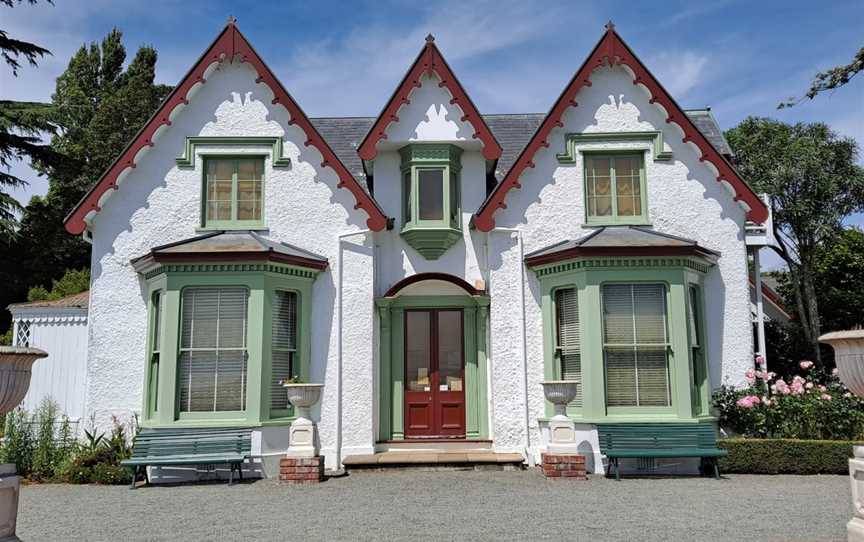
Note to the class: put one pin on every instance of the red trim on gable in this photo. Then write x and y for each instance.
(229, 44)
(611, 50)
(428, 61)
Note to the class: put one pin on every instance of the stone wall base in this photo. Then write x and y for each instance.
(564, 466)
(301, 470)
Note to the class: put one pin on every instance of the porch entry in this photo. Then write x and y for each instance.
(434, 373)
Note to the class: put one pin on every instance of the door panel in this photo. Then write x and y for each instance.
(434, 374)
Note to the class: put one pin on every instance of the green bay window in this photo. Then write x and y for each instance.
(223, 337)
(431, 210)
(233, 193)
(622, 326)
(615, 188)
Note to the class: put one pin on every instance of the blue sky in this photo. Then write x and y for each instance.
(345, 58)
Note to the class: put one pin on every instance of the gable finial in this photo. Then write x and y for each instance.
(610, 26)
(430, 38)
(232, 20)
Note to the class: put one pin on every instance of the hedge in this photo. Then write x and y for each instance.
(786, 456)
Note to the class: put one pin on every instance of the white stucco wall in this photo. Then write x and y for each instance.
(684, 199)
(159, 203)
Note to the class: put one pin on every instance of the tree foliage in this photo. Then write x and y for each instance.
(836, 77)
(814, 182)
(99, 107)
(74, 281)
(20, 126)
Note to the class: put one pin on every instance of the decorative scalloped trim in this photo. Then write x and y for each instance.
(610, 51)
(47, 317)
(429, 61)
(228, 46)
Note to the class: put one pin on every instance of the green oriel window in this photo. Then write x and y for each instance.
(233, 192)
(431, 201)
(636, 345)
(155, 338)
(615, 189)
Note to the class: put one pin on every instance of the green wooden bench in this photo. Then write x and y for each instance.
(189, 446)
(652, 440)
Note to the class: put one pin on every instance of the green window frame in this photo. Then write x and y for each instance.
(154, 340)
(236, 202)
(431, 197)
(615, 193)
(587, 277)
(568, 352)
(263, 282)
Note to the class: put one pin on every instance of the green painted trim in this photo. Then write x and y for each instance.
(431, 242)
(595, 263)
(391, 319)
(187, 158)
(233, 223)
(588, 281)
(614, 219)
(261, 281)
(431, 238)
(655, 137)
(304, 273)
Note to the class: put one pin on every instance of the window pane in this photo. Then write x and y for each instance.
(636, 345)
(454, 200)
(157, 321)
(406, 180)
(417, 349)
(567, 318)
(431, 190)
(249, 184)
(284, 345)
(627, 185)
(219, 180)
(450, 350)
(693, 317)
(212, 367)
(599, 187)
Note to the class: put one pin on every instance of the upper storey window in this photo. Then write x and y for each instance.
(233, 193)
(431, 213)
(615, 189)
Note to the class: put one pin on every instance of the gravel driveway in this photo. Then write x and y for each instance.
(418, 505)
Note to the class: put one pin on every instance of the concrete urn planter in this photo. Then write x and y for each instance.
(303, 435)
(849, 356)
(562, 430)
(15, 365)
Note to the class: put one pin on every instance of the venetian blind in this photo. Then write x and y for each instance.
(213, 356)
(635, 345)
(567, 338)
(284, 345)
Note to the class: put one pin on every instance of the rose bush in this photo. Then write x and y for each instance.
(811, 405)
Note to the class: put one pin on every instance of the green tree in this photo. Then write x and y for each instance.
(21, 124)
(74, 281)
(813, 181)
(836, 77)
(840, 276)
(99, 107)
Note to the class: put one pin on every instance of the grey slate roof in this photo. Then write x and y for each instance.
(622, 237)
(228, 242)
(513, 131)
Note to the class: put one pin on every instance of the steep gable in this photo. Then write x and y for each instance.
(429, 66)
(230, 45)
(611, 50)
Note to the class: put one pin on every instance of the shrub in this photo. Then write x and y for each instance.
(18, 441)
(110, 474)
(813, 406)
(36, 444)
(97, 459)
(786, 456)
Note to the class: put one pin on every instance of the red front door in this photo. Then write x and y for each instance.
(434, 374)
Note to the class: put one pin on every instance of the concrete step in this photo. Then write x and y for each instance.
(432, 460)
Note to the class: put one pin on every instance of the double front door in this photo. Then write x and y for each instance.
(434, 374)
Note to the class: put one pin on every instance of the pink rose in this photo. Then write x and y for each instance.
(750, 375)
(805, 364)
(809, 385)
(825, 397)
(847, 395)
(760, 361)
(766, 401)
(781, 387)
(822, 388)
(835, 371)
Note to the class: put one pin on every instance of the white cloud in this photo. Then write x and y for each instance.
(679, 71)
